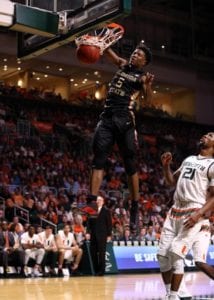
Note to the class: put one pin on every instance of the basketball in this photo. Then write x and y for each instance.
(88, 54)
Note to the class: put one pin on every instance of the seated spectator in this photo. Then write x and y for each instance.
(33, 249)
(17, 197)
(78, 229)
(142, 234)
(114, 183)
(127, 236)
(28, 201)
(120, 210)
(157, 230)
(9, 209)
(150, 236)
(115, 218)
(47, 239)
(68, 250)
(117, 231)
(6, 246)
(18, 254)
(38, 229)
(16, 221)
(51, 215)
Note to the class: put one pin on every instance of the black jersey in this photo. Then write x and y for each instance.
(123, 85)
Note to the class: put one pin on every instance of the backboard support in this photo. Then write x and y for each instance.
(73, 23)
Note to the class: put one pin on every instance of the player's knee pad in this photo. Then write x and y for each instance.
(130, 165)
(177, 264)
(164, 263)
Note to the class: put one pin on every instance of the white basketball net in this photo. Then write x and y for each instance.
(102, 39)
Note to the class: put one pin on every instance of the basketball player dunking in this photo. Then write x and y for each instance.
(117, 123)
(185, 223)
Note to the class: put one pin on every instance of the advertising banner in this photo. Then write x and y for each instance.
(145, 257)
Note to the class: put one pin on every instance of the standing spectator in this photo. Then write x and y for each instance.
(99, 229)
(33, 249)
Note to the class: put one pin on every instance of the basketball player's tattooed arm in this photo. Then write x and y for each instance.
(114, 58)
(170, 177)
(207, 207)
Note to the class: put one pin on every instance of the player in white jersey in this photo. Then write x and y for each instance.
(186, 217)
(47, 239)
(68, 249)
(33, 249)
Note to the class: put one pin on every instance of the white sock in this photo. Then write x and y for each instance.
(168, 288)
(174, 293)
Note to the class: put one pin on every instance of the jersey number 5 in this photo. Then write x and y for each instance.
(189, 173)
(120, 82)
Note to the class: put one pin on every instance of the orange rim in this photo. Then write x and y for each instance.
(115, 25)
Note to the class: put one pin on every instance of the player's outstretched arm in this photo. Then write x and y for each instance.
(170, 177)
(147, 86)
(114, 58)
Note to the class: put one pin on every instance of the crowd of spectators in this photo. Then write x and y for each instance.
(49, 180)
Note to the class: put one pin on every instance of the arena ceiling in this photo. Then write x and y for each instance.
(48, 69)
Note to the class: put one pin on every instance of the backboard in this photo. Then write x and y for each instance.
(73, 22)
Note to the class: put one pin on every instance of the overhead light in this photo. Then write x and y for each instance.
(97, 82)
(98, 95)
(83, 81)
(33, 73)
(46, 75)
(86, 79)
(163, 46)
(19, 68)
(5, 59)
(142, 41)
(154, 92)
(37, 78)
(19, 62)
(75, 84)
(60, 69)
(47, 67)
(96, 72)
(72, 79)
(5, 68)
(20, 82)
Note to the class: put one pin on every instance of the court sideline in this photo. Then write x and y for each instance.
(115, 287)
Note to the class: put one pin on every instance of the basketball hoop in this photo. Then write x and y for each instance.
(102, 38)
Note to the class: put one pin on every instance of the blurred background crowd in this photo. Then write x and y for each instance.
(45, 162)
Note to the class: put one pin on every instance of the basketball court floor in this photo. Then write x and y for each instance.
(115, 287)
